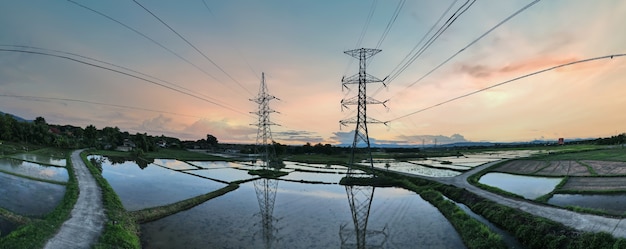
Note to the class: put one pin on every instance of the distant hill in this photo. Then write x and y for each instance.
(18, 118)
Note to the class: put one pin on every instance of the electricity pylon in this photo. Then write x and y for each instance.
(361, 101)
(265, 188)
(359, 197)
(264, 141)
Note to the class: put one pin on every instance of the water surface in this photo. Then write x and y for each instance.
(613, 204)
(304, 216)
(6, 227)
(29, 197)
(34, 170)
(51, 160)
(152, 186)
(530, 187)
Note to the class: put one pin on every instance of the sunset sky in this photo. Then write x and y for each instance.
(299, 45)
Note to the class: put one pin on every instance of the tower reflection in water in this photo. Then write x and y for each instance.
(266, 195)
(360, 200)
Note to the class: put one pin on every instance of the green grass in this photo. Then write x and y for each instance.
(13, 217)
(120, 231)
(37, 232)
(155, 213)
(266, 173)
(615, 154)
(532, 231)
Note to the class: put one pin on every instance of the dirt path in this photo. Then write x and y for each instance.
(87, 218)
(582, 222)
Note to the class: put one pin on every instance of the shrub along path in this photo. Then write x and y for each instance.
(578, 221)
(87, 219)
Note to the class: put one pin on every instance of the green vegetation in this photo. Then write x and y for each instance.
(546, 197)
(155, 213)
(530, 230)
(120, 231)
(35, 233)
(607, 154)
(13, 217)
(474, 233)
(267, 173)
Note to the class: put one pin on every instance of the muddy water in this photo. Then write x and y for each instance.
(613, 204)
(303, 216)
(152, 186)
(34, 170)
(530, 187)
(29, 197)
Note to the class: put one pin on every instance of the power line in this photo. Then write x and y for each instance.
(114, 65)
(363, 31)
(110, 64)
(474, 41)
(194, 47)
(147, 37)
(124, 73)
(390, 23)
(231, 41)
(509, 81)
(94, 103)
(431, 40)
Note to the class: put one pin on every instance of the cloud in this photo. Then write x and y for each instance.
(432, 139)
(158, 123)
(224, 130)
(293, 136)
(517, 68)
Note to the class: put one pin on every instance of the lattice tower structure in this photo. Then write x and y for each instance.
(362, 78)
(264, 142)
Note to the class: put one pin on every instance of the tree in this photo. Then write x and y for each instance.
(40, 121)
(211, 140)
(90, 135)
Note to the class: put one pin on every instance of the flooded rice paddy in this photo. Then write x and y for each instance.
(42, 159)
(34, 170)
(304, 216)
(530, 187)
(612, 204)
(140, 188)
(29, 197)
(289, 212)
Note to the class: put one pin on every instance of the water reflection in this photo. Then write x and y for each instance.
(34, 170)
(360, 199)
(530, 187)
(265, 190)
(303, 216)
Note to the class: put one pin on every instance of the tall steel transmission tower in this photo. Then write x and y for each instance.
(359, 197)
(264, 141)
(361, 101)
(265, 188)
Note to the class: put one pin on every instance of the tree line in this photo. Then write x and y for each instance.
(39, 132)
